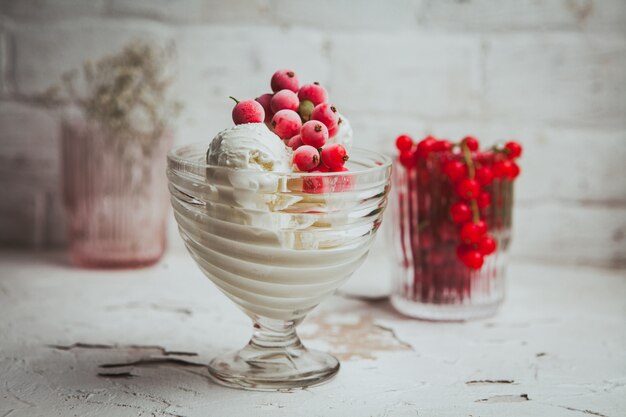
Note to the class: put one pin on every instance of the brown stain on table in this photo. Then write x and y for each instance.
(357, 340)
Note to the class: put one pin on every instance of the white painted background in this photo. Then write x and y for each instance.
(550, 73)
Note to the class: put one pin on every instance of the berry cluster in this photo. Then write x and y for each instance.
(302, 118)
(469, 173)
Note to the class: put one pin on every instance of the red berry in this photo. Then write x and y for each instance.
(470, 233)
(404, 143)
(264, 100)
(326, 114)
(442, 146)
(468, 189)
(473, 259)
(306, 158)
(333, 130)
(502, 169)
(514, 171)
(471, 142)
(484, 175)
(314, 133)
(284, 79)
(248, 111)
(513, 149)
(334, 156)
(286, 123)
(461, 250)
(483, 200)
(315, 93)
(460, 212)
(295, 142)
(455, 170)
(407, 158)
(482, 226)
(487, 245)
(425, 147)
(314, 184)
(285, 100)
(343, 182)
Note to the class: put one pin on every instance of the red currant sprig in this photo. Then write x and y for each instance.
(468, 177)
(475, 242)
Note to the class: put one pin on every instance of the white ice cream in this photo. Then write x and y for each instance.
(345, 134)
(249, 146)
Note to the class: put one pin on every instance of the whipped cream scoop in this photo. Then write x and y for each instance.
(249, 146)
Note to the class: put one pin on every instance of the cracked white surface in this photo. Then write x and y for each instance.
(558, 347)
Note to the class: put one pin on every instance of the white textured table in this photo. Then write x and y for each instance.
(558, 348)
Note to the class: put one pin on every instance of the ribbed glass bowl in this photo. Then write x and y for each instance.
(277, 245)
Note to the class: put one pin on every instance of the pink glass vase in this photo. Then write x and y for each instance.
(115, 195)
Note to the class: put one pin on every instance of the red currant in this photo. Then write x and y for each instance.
(468, 189)
(482, 226)
(407, 158)
(513, 149)
(460, 212)
(483, 200)
(425, 146)
(514, 171)
(473, 259)
(455, 170)
(484, 175)
(334, 156)
(404, 143)
(502, 169)
(487, 245)
(470, 233)
(442, 146)
(471, 142)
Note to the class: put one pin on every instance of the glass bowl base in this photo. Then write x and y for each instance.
(263, 369)
(445, 312)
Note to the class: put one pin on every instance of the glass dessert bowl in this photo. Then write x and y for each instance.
(277, 244)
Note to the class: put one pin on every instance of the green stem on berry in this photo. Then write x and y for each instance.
(234, 99)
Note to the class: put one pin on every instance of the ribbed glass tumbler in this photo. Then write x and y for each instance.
(277, 245)
(115, 196)
(429, 280)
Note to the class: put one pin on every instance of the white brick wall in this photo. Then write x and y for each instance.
(549, 73)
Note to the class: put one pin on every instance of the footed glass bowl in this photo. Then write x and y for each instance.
(277, 245)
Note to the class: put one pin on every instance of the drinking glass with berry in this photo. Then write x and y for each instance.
(452, 205)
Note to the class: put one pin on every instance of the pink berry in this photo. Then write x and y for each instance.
(313, 185)
(343, 182)
(333, 130)
(315, 93)
(284, 80)
(286, 123)
(285, 100)
(314, 133)
(334, 156)
(326, 114)
(306, 158)
(264, 100)
(248, 111)
(295, 142)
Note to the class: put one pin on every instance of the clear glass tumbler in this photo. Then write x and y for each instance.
(429, 280)
(115, 196)
(277, 244)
